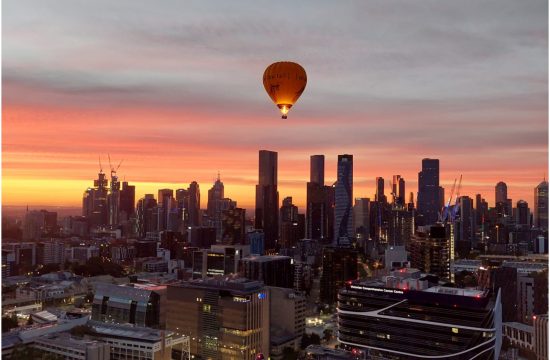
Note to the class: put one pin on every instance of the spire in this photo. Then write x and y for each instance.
(218, 175)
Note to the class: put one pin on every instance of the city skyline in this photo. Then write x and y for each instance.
(145, 89)
(366, 186)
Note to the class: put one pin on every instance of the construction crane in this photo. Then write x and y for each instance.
(457, 201)
(445, 210)
(114, 170)
(100, 167)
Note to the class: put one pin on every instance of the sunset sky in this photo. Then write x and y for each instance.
(175, 89)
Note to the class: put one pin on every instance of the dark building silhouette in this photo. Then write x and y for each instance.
(233, 224)
(540, 219)
(339, 266)
(319, 218)
(428, 192)
(343, 202)
(267, 199)
(273, 270)
(430, 252)
(127, 201)
(145, 210)
(380, 190)
(317, 169)
(194, 204)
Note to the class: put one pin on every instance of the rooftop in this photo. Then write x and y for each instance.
(127, 331)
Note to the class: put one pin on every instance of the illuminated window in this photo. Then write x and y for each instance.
(206, 308)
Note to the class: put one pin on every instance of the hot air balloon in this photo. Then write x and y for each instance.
(284, 82)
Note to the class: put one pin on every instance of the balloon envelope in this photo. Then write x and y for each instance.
(284, 82)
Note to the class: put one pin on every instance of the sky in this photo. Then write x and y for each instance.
(174, 89)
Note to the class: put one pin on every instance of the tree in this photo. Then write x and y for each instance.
(311, 339)
(9, 322)
(327, 334)
(289, 354)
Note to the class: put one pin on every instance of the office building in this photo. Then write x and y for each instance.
(501, 192)
(339, 266)
(287, 314)
(267, 199)
(141, 305)
(62, 345)
(136, 342)
(540, 336)
(398, 190)
(343, 202)
(201, 236)
(224, 319)
(541, 206)
(273, 270)
(522, 213)
(194, 205)
(428, 192)
(145, 214)
(400, 227)
(404, 317)
(430, 251)
(361, 221)
(233, 226)
(127, 201)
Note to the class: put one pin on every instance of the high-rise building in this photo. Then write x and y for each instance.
(233, 226)
(165, 204)
(146, 221)
(273, 270)
(428, 192)
(94, 202)
(405, 318)
(267, 199)
(398, 190)
(194, 204)
(431, 252)
(541, 206)
(113, 199)
(465, 229)
(380, 196)
(38, 224)
(215, 194)
(401, 226)
(339, 266)
(224, 319)
(317, 169)
(361, 221)
(127, 201)
(501, 192)
(288, 217)
(343, 216)
(319, 221)
(522, 214)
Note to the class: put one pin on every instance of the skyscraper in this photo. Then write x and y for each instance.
(501, 193)
(380, 197)
(398, 190)
(319, 202)
(127, 200)
(541, 205)
(428, 192)
(522, 213)
(343, 217)
(194, 204)
(317, 169)
(216, 204)
(165, 197)
(466, 229)
(267, 198)
(361, 222)
(216, 193)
